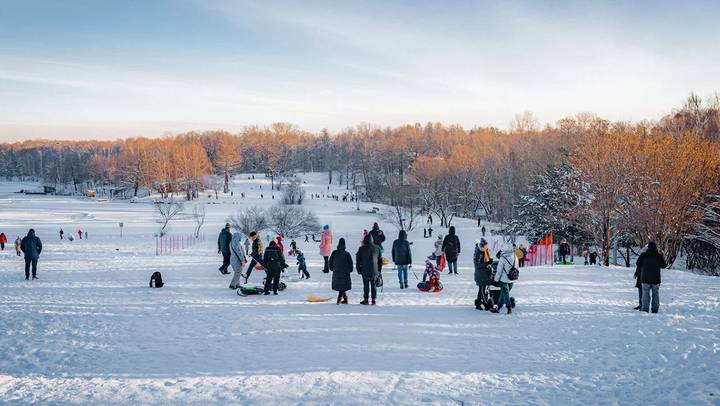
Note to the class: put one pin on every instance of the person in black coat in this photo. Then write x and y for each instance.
(274, 261)
(256, 254)
(451, 248)
(564, 251)
(367, 262)
(341, 265)
(378, 237)
(402, 257)
(650, 264)
(224, 240)
(482, 259)
(31, 246)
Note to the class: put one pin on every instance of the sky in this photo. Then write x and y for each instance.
(102, 69)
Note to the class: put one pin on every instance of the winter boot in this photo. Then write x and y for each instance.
(495, 310)
(345, 299)
(636, 307)
(509, 310)
(364, 302)
(373, 302)
(267, 293)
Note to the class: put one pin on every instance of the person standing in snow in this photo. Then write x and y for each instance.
(520, 255)
(377, 235)
(302, 266)
(247, 244)
(326, 240)
(341, 265)
(279, 242)
(650, 263)
(483, 231)
(32, 247)
(593, 257)
(256, 254)
(238, 260)
(438, 250)
(451, 248)
(61, 233)
(224, 239)
(80, 234)
(366, 263)
(506, 261)
(430, 230)
(482, 259)
(402, 257)
(3, 241)
(18, 241)
(564, 251)
(274, 264)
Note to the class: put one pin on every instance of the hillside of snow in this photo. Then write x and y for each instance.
(90, 331)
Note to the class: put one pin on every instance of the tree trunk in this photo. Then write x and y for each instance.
(226, 186)
(606, 242)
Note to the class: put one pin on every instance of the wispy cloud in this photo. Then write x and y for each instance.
(334, 64)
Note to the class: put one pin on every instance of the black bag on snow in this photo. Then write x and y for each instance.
(379, 281)
(156, 280)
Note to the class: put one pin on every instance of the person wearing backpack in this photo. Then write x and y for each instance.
(451, 248)
(508, 265)
(366, 263)
(274, 264)
(341, 266)
(238, 260)
(402, 257)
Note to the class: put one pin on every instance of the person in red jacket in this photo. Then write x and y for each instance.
(279, 241)
(3, 241)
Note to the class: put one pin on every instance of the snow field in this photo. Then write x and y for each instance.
(90, 331)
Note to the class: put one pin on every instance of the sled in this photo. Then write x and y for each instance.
(250, 290)
(315, 299)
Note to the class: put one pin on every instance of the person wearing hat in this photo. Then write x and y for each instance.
(482, 259)
(224, 240)
(377, 235)
(506, 261)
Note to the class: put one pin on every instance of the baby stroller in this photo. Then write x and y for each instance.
(431, 279)
(494, 290)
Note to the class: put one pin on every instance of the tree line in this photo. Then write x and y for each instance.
(584, 178)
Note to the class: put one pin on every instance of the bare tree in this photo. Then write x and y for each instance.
(292, 221)
(524, 122)
(166, 211)
(293, 192)
(215, 183)
(248, 220)
(199, 217)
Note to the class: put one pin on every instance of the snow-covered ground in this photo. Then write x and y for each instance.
(91, 331)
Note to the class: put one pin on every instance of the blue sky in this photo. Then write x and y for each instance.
(107, 69)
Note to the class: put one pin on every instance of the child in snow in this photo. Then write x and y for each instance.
(18, 241)
(302, 267)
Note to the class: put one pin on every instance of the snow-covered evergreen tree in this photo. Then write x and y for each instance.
(554, 204)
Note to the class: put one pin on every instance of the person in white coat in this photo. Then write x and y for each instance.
(506, 261)
(238, 260)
